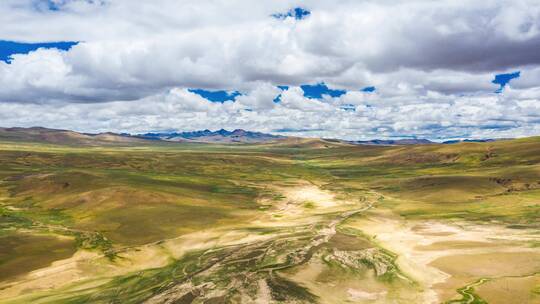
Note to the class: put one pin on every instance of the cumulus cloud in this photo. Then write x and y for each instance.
(432, 63)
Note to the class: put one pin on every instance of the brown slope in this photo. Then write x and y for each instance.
(65, 137)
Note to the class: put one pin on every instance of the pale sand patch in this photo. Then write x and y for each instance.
(310, 193)
(360, 295)
(446, 245)
(296, 198)
(490, 264)
(86, 265)
(335, 285)
(208, 239)
(56, 275)
(264, 295)
(302, 204)
(397, 236)
(511, 290)
(468, 268)
(93, 267)
(418, 244)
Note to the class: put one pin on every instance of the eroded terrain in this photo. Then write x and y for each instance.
(256, 224)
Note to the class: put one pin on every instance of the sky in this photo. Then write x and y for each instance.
(350, 69)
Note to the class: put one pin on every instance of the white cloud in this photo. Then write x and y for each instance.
(431, 62)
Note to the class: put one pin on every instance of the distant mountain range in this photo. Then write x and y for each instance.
(468, 140)
(392, 142)
(413, 141)
(56, 136)
(219, 136)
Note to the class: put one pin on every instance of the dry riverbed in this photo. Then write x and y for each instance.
(446, 256)
(315, 246)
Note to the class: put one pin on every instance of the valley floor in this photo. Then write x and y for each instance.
(337, 250)
(307, 238)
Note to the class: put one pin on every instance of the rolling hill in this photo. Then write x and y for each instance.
(290, 221)
(54, 136)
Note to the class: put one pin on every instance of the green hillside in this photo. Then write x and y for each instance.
(204, 223)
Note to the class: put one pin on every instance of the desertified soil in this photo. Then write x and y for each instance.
(306, 222)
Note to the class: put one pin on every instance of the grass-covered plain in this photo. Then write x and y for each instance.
(294, 221)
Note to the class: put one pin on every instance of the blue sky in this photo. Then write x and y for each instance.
(8, 48)
(311, 91)
(369, 89)
(47, 5)
(216, 96)
(297, 13)
(317, 90)
(346, 69)
(504, 79)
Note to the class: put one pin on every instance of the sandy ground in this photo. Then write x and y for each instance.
(511, 290)
(303, 204)
(332, 285)
(440, 256)
(445, 256)
(87, 265)
(264, 294)
(309, 193)
(91, 268)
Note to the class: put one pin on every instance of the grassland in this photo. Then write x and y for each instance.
(300, 222)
